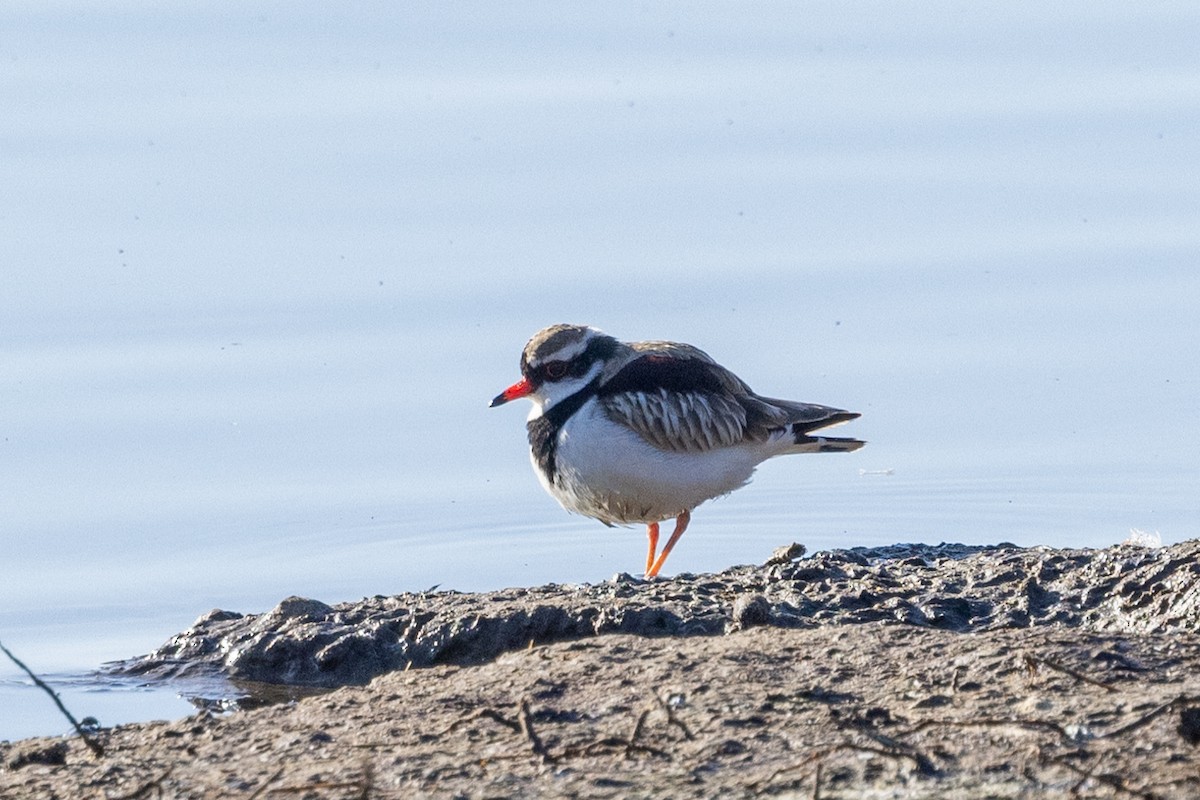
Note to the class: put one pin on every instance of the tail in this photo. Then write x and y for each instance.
(825, 444)
(804, 418)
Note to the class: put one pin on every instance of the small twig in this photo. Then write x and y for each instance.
(92, 744)
(1112, 781)
(629, 744)
(817, 783)
(482, 713)
(1179, 702)
(818, 755)
(924, 763)
(613, 743)
(1033, 662)
(1028, 724)
(525, 722)
(676, 721)
(308, 787)
(637, 732)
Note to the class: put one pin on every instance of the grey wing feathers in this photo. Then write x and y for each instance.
(677, 398)
(688, 422)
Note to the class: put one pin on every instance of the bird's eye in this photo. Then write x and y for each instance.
(554, 370)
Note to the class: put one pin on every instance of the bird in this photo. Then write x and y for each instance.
(644, 432)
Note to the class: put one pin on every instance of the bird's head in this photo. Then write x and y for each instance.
(559, 361)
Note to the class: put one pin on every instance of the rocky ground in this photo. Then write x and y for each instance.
(895, 672)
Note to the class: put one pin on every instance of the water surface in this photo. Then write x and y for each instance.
(264, 267)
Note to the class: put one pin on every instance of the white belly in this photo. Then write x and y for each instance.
(607, 471)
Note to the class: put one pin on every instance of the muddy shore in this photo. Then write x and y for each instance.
(908, 671)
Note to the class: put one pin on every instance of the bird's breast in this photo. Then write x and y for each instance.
(600, 468)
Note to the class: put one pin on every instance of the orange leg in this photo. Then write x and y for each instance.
(681, 523)
(652, 533)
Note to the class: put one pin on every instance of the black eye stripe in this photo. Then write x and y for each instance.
(556, 369)
(599, 348)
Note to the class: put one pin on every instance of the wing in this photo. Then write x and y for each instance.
(679, 399)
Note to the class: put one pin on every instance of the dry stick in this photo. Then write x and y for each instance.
(629, 743)
(1033, 662)
(92, 744)
(1028, 724)
(924, 763)
(483, 713)
(834, 748)
(674, 720)
(526, 725)
(1179, 702)
(1046, 725)
(523, 724)
(637, 732)
(309, 787)
(613, 743)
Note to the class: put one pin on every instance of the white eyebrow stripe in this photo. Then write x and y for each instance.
(568, 352)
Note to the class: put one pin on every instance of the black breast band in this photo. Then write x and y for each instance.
(543, 431)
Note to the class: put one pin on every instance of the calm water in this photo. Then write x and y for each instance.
(264, 266)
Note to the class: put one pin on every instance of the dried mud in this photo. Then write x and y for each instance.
(908, 671)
